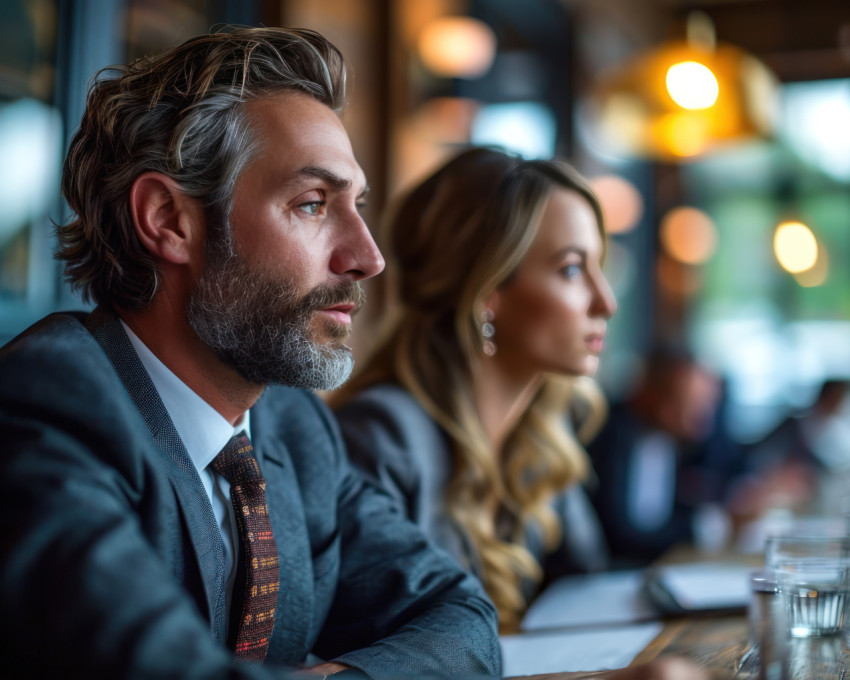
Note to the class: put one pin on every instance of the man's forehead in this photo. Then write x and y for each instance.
(297, 116)
(306, 135)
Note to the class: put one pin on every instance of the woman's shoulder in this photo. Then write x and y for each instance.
(387, 417)
(385, 392)
(387, 402)
(391, 436)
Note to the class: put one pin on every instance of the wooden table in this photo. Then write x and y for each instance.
(715, 642)
(720, 644)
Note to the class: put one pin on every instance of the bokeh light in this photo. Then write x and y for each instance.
(817, 274)
(622, 204)
(683, 133)
(527, 128)
(30, 162)
(457, 47)
(795, 246)
(688, 235)
(692, 85)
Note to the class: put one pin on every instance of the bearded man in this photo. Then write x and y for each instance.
(175, 502)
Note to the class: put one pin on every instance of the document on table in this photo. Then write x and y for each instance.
(591, 599)
(702, 586)
(575, 650)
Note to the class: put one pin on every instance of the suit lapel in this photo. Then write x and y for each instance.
(286, 512)
(203, 529)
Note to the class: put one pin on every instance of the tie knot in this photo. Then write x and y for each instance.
(236, 462)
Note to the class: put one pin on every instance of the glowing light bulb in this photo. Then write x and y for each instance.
(692, 85)
(795, 246)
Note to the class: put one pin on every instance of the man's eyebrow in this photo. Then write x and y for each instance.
(326, 175)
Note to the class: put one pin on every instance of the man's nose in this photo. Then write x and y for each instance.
(357, 254)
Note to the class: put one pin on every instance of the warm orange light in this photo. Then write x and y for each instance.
(688, 235)
(622, 204)
(457, 47)
(684, 133)
(692, 85)
(679, 100)
(795, 246)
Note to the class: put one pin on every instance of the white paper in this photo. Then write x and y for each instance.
(575, 650)
(591, 599)
(707, 585)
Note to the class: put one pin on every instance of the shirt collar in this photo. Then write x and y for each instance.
(203, 430)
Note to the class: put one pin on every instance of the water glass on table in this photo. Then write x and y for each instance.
(813, 578)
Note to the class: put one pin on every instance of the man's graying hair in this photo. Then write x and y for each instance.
(179, 113)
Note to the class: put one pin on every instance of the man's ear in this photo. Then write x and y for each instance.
(168, 223)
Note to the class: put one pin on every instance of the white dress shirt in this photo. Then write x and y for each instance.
(204, 432)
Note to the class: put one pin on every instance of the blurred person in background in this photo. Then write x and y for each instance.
(664, 462)
(460, 412)
(802, 466)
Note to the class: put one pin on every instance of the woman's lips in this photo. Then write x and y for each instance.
(596, 343)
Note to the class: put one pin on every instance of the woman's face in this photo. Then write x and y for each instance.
(552, 314)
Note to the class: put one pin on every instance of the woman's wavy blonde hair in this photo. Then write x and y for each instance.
(452, 241)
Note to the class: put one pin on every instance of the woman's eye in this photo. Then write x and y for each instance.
(313, 207)
(570, 271)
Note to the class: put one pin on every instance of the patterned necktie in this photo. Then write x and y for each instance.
(257, 577)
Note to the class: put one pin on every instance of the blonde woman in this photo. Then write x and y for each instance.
(461, 413)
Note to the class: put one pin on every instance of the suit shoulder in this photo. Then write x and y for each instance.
(57, 357)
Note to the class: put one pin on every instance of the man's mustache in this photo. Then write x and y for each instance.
(328, 295)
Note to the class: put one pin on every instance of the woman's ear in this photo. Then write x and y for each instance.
(168, 222)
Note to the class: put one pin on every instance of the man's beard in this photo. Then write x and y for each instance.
(257, 324)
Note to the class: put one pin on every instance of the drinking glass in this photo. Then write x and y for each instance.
(813, 576)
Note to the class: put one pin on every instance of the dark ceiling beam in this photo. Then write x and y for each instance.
(798, 40)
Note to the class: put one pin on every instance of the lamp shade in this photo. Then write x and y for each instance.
(681, 100)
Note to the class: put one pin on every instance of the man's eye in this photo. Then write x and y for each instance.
(360, 205)
(313, 207)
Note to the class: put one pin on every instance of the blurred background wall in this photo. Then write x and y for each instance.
(727, 198)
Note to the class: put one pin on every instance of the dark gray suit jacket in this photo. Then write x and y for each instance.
(112, 563)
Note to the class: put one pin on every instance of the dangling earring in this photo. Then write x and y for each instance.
(488, 330)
